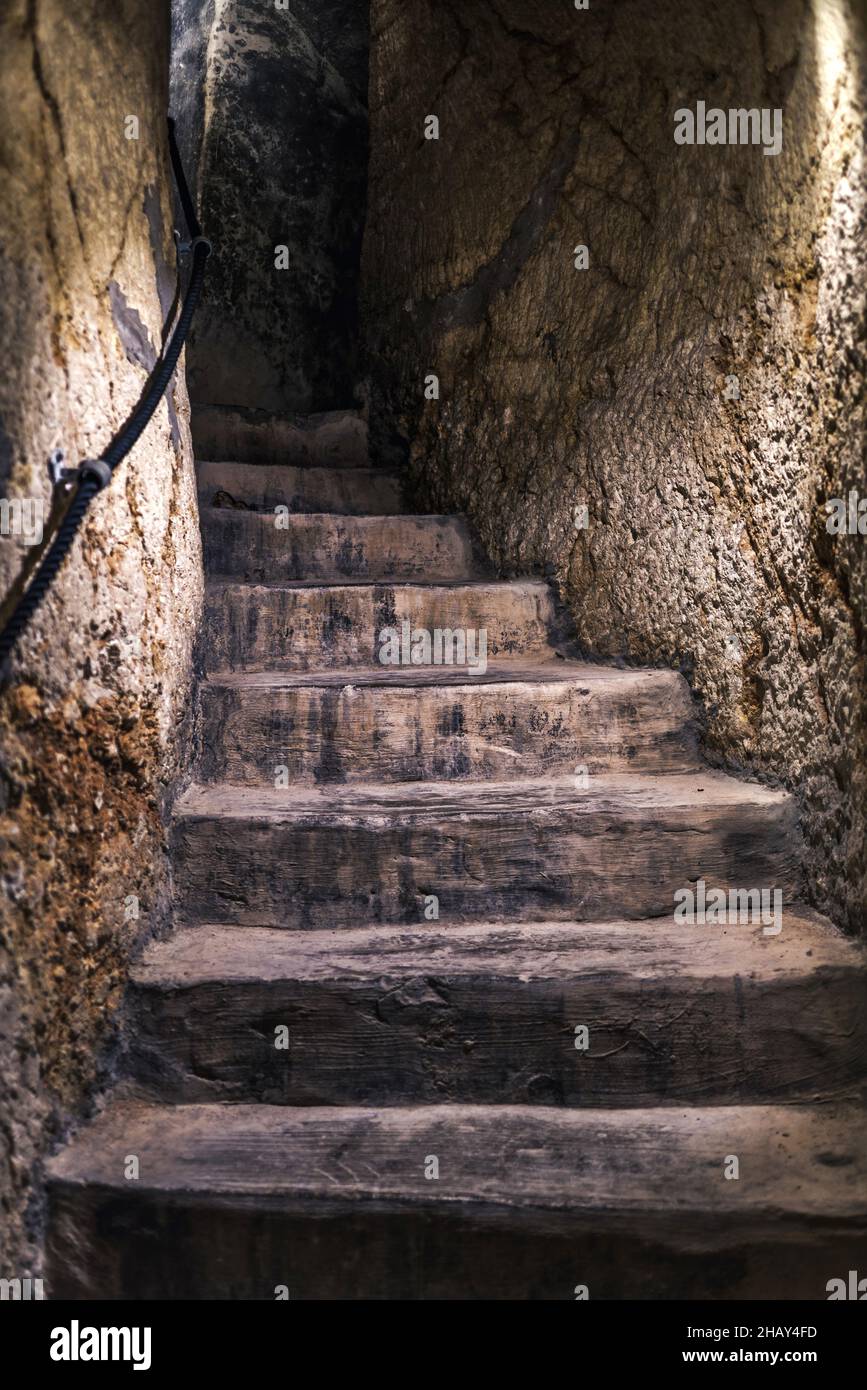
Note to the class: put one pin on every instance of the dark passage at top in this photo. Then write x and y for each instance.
(271, 107)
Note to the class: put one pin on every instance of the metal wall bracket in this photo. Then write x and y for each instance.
(61, 476)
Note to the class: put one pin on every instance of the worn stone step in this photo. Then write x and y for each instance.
(405, 725)
(359, 854)
(262, 487)
(332, 439)
(459, 1201)
(323, 547)
(321, 627)
(675, 1014)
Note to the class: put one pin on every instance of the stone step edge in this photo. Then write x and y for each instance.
(801, 1166)
(647, 949)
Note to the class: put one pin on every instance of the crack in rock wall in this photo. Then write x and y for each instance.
(699, 388)
(93, 715)
(272, 111)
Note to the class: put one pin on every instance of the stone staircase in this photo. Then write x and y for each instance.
(427, 883)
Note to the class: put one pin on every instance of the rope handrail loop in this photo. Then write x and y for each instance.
(95, 474)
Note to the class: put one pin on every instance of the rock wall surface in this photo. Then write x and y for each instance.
(93, 704)
(272, 109)
(699, 389)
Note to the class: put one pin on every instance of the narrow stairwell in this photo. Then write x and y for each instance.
(428, 882)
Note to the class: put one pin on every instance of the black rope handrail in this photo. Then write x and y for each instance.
(95, 474)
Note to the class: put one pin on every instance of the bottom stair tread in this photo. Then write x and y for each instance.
(261, 1202)
(532, 1164)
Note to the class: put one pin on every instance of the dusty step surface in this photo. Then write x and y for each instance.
(621, 846)
(674, 1013)
(333, 439)
(528, 1202)
(262, 487)
(323, 547)
(321, 627)
(405, 725)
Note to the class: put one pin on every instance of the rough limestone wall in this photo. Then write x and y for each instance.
(93, 705)
(705, 546)
(272, 110)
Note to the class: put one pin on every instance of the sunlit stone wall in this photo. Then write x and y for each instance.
(94, 706)
(638, 364)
